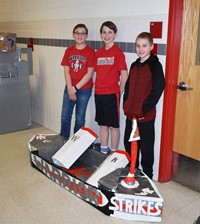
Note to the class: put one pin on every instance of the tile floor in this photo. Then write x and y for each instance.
(28, 197)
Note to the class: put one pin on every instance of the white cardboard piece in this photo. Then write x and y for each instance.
(118, 159)
(74, 147)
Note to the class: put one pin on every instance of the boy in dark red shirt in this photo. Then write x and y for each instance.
(142, 91)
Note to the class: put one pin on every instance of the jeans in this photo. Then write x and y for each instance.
(81, 103)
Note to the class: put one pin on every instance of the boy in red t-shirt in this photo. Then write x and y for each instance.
(78, 62)
(111, 75)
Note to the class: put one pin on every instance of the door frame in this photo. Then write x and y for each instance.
(170, 93)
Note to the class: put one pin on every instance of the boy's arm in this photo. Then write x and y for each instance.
(83, 81)
(68, 82)
(126, 90)
(158, 85)
(67, 77)
(86, 78)
(124, 77)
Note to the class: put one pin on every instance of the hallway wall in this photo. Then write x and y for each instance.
(50, 22)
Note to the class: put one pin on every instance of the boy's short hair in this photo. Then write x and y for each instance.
(81, 25)
(145, 35)
(110, 25)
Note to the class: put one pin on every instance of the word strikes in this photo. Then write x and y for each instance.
(136, 206)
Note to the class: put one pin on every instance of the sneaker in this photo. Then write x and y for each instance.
(112, 150)
(105, 150)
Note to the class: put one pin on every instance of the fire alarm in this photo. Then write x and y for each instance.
(156, 29)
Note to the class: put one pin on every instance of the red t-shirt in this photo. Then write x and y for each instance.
(108, 68)
(79, 61)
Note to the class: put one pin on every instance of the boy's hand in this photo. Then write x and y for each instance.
(72, 97)
(71, 91)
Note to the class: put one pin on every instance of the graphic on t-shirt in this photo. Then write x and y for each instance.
(106, 61)
(76, 66)
(77, 62)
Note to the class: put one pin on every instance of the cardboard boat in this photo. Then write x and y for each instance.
(79, 167)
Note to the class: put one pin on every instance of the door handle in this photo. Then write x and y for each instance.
(183, 86)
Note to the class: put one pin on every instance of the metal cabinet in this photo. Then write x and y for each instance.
(15, 100)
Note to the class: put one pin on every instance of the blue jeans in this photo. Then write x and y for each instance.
(81, 103)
